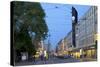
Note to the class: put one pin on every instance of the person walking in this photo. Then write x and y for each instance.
(34, 59)
(45, 54)
(41, 55)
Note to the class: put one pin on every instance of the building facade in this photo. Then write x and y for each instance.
(65, 46)
(60, 47)
(86, 40)
(86, 30)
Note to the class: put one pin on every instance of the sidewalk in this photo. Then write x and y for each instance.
(87, 59)
(37, 62)
(24, 63)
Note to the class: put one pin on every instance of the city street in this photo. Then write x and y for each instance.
(41, 36)
(52, 60)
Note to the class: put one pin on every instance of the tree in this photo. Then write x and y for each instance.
(28, 17)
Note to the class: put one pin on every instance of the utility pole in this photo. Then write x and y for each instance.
(49, 45)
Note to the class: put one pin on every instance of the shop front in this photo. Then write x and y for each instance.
(90, 52)
(85, 52)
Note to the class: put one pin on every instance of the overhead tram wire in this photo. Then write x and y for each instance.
(56, 7)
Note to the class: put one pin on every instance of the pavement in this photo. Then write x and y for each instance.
(87, 59)
(53, 60)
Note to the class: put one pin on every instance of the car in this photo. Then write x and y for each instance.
(67, 56)
(64, 56)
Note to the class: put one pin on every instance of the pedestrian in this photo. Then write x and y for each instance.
(45, 53)
(85, 55)
(34, 58)
(41, 56)
(47, 56)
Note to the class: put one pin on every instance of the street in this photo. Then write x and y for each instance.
(52, 60)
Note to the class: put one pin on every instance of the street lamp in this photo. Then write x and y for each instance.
(49, 45)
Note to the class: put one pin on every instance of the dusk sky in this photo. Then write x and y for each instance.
(58, 19)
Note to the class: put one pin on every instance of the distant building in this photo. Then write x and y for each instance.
(65, 45)
(60, 47)
(68, 43)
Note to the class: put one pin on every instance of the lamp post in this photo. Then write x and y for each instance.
(49, 45)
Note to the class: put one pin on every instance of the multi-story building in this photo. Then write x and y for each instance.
(86, 29)
(65, 46)
(68, 43)
(60, 47)
(86, 42)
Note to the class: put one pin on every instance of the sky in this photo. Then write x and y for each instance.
(58, 19)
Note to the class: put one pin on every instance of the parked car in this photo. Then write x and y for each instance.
(64, 57)
(67, 56)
